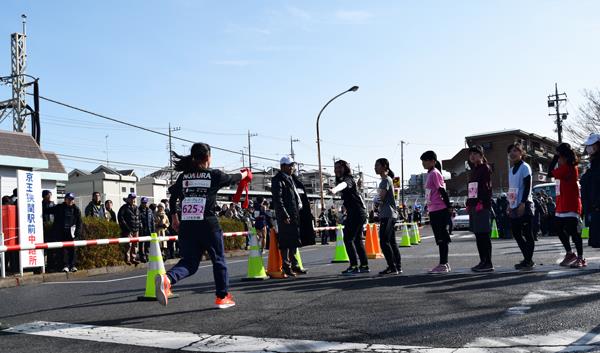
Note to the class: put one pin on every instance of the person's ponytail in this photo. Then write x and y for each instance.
(199, 152)
(438, 166)
(390, 173)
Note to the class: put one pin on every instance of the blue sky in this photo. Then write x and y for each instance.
(430, 73)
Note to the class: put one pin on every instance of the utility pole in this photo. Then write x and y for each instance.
(554, 102)
(402, 171)
(250, 149)
(106, 140)
(171, 130)
(292, 140)
(243, 158)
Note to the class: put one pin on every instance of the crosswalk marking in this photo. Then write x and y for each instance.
(561, 341)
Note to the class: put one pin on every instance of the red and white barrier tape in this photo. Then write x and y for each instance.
(79, 243)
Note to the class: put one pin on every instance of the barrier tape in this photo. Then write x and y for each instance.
(92, 242)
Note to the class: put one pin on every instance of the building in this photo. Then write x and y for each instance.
(539, 152)
(20, 151)
(111, 183)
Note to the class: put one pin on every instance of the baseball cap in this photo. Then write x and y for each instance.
(70, 195)
(594, 138)
(144, 200)
(130, 197)
(286, 160)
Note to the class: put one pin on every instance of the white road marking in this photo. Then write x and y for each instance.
(561, 341)
(544, 295)
(190, 341)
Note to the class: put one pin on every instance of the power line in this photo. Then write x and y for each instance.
(154, 131)
(84, 159)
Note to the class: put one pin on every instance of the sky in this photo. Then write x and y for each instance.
(430, 73)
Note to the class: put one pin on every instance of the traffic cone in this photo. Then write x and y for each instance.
(274, 268)
(299, 259)
(405, 241)
(414, 240)
(256, 268)
(585, 233)
(156, 267)
(371, 243)
(376, 244)
(340, 254)
(418, 232)
(494, 230)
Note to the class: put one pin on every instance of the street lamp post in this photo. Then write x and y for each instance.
(352, 89)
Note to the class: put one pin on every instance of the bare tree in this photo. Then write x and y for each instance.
(587, 120)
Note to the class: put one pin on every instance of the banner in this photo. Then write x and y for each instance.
(31, 224)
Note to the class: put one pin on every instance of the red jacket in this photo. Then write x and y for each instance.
(568, 198)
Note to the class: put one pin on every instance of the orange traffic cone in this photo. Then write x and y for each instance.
(372, 242)
(274, 268)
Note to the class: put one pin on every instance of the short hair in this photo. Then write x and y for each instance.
(516, 145)
(95, 193)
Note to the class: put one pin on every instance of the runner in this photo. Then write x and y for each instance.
(355, 220)
(479, 206)
(199, 229)
(388, 213)
(438, 205)
(568, 204)
(521, 208)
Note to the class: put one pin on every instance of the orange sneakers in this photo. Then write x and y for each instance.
(225, 303)
(162, 286)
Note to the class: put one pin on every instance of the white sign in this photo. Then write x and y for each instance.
(31, 224)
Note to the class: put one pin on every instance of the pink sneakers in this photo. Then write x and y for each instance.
(440, 269)
(579, 263)
(569, 259)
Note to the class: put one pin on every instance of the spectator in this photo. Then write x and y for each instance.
(502, 216)
(129, 221)
(147, 227)
(6, 200)
(172, 245)
(231, 211)
(66, 227)
(162, 224)
(110, 213)
(46, 204)
(288, 204)
(333, 222)
(324, 222)
(13, 198)
(590, 190)
(551, 206)
(260, 223)
(95, 208)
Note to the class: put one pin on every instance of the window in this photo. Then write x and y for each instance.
(123, 189)
(132, 190)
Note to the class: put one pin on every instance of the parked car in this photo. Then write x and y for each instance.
(549, 189)
(461, 221)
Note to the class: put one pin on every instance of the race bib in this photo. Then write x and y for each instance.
(473, 190)
(557, 187)
(512, 196)
(192, 208)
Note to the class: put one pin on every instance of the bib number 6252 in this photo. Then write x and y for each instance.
(192, 208)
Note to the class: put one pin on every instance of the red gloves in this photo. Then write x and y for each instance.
(243, 186)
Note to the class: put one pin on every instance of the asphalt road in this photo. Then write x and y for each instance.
(534, 311)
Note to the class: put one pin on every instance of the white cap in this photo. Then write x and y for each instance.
(286, 160)
(594, 138)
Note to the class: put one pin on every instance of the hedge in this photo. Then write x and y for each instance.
(114, 254)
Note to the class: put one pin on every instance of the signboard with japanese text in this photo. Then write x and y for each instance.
(31, 226)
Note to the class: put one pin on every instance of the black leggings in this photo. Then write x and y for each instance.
(353, 229)
(389, 246)
(521, 229)
(484, 247)
(439, 223)
(566, 228)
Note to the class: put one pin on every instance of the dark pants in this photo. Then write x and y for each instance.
(353, 230)
(484, 247)
(593, 221)
(439, 224)
(194, 241)
(523, 234)
(69, 257)
(288, 258)
(387, 240)
(567, 228)
(503, 227)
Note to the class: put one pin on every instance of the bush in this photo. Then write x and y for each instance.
(233, 225)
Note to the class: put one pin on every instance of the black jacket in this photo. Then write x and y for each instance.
(147, 225)
(308, 235)
(285, 200)
(590, 188)
(60, 229)
(129, 218)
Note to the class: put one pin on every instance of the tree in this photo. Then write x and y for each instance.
(588, 119)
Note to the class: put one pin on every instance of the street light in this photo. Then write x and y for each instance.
(352, 89)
